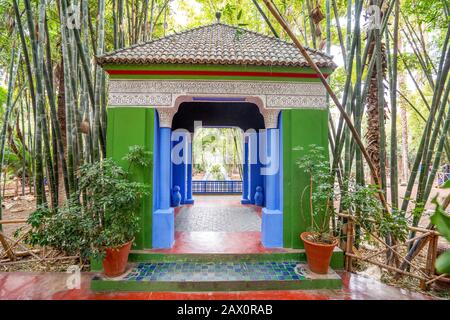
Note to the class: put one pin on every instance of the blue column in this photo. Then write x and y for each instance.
(189, 198)
(245, 195)
(272, 216)
(163, 217)
(180, 161)
(254, 174)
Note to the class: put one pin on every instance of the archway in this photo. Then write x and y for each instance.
(210, 212)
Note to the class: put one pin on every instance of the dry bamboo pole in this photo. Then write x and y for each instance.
(23, 247)
(391, 248)
(396, 253)
(390, 268)
(440, 277)
(333, 96)
(12, 245)
(400, 244)
(7, 263)
(349, 246)
(8, 249)
(13, 221)
(411, 228)
(21, 254)
(431, 259)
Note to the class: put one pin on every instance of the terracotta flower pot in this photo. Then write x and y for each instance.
(318, 255)
(116, 260)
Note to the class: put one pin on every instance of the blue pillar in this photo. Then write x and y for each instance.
(254, 167)
(245, 171)
(189, 198)
(179, 175)
(163, 217)
(272, 216)
(180, 161)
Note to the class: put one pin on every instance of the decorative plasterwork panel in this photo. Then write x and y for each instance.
(140, 99)
(162, 93)
(293, 102)
(166, 116)
(270, 117)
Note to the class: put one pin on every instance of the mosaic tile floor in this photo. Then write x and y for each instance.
(222, 271)
(219, 219)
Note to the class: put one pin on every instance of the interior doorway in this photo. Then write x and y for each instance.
(218, 177)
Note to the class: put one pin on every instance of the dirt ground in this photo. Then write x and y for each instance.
(16, 206)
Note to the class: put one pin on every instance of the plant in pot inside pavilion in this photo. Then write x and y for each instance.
(101, 219)
(318, 240)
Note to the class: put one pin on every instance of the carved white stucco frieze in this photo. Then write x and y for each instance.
(270, 117)
(166, 116)
(285, 101)
(162, 93)
(140, 99)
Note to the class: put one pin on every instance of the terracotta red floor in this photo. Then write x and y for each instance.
(52, 286)
(218, 242)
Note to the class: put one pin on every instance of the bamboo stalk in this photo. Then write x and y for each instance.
(393, 94)
(9, 106)
(347, 119)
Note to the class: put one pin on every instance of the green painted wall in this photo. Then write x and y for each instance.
(301, 127)
(129, 126)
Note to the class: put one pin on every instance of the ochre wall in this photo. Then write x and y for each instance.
(301, 128)
(128, 126)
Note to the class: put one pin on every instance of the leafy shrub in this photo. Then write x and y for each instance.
(365, 206)
(361, 201)
(103, 214)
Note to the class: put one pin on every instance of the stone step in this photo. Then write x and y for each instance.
(218, 276)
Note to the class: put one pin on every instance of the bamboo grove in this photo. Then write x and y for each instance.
(54, 108)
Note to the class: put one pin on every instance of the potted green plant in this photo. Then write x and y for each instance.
(101, 219)
(319, 240)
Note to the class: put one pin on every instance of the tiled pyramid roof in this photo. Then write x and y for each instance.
(217, 43)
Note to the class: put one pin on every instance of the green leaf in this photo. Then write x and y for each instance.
(446, 185)
(239, 15)
(443, 263)
(441, 220)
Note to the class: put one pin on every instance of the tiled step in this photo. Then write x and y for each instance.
(218, 276)
(285, 255)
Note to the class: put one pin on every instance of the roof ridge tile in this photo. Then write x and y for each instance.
(215, 43)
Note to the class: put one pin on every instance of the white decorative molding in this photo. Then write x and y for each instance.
(166, 116)
(140, 99)
(162, 93)
(293, 102)
(270, 117)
